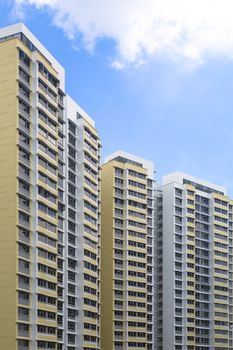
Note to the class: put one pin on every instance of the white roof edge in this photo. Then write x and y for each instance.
(179, 176)
(21, 28)
(73, 108)
(147, 164)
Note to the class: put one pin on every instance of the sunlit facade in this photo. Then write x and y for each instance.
(49, 204)
(127, 253)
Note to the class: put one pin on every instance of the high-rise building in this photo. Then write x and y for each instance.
(158, 267)
(127, 229)
(197, 271)
(49, 204)
(83, 213)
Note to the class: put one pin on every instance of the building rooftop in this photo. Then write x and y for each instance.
(73, 108)
(10, 31)
(200, 184)
(147, 164)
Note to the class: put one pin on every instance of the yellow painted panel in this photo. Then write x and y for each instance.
(8, 189)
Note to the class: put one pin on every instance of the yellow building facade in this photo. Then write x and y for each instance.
(49, 229)
(127, 253)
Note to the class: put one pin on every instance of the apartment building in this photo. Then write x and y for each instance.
(194, 265)
(127, 227)
(83, 224)
(49, 204)
(158, 267)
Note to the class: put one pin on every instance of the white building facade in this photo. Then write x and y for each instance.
(194, 265)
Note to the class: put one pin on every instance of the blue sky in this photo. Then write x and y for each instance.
(165, 104)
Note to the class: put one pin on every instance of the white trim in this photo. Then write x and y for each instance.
(177, 177)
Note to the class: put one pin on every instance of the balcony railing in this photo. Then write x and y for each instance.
(23, 238)
(23, 77)
(23, 96)
(24, 270)
(24, 223)
(24, 207)
(24, 66)
(24, 128)
(119, 317)
(24, 176)
(23, 317)
(24, 254)
(23, 285)
(24, 192)
(24, 113)
(22, 347)
(22, 333)
(23, 301)
(119, 327)
(24, 145)
(119, 266)
(24, 160)
(119, 195)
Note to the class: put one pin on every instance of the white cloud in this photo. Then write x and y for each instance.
(191, 30)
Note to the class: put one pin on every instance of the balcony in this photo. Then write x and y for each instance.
(118, 234)
(72, 292)
(46, 106)
(24, 270)
(119, 215)
(23, 317)
(61, 128)
(24, 176)
(119, 327)
(24, 144)
(24, 207)
(24, 223)
(119, 307)
(24, 160)
(118, 347)
(90, 184)
(60, 337)
(119, 266)
(118, 337)
(47, 92)
(60, 100)
(23, 285)
(23, 301)
(119, 205)
(118, 225)
(90, 137)
(24, 128)
(118, 317)
(119, 185)
(25, 66)
(24, 238)
(119, 195)
(23, 77)
(60, 114)
(118, 255)
(22, 333)
(119, 245)
(24, 113)
(24, 254)
(73, 268)
(22, 347)
(119, 286)
(24, 96)
(90, 149)
(24, 191)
